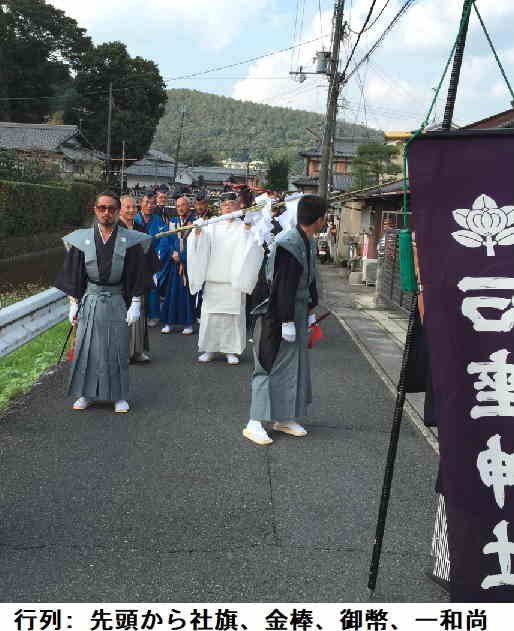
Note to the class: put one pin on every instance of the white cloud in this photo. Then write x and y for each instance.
(287, 92)
(398, 83)
(403, 71)
(211, 24)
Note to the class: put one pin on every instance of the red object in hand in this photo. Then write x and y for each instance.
(315, 335)
(70, 353)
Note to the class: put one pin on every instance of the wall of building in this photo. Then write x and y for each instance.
(313, 166)
(350, 226)
(67, 169)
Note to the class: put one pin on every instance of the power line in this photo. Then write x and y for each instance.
(295, 29)
(404, 8)
(368, 28)
(245, 61)
(395, 82)
(237, 77)
(320, 19)
(169, 79)
(301, 29)
(352, 53)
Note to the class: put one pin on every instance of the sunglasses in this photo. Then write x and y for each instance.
(109, 209)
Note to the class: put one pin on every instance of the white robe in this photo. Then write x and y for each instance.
(227, 259)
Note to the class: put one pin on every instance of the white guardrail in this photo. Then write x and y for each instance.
(26, 319)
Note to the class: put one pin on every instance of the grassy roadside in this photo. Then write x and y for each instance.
(9, 294)
(22, 368)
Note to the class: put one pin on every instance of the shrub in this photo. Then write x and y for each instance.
(34, 208)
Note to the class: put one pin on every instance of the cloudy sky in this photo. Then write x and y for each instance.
(392, 91)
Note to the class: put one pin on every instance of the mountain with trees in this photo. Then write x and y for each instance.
(219, 128)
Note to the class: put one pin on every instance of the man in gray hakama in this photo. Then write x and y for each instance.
(104, 274)
(281, 383)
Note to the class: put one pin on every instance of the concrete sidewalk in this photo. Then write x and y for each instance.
(379, 332)
(171, 503)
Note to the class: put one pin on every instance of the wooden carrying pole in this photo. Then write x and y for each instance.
(244, 211)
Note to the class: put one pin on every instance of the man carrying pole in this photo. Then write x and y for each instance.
(227, 259)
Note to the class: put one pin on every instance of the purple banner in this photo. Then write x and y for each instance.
(462, 198)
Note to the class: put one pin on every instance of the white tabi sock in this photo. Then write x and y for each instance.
(255, 426)
(256, 432)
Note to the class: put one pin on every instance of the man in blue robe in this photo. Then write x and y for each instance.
(177, 309)
(152, 222)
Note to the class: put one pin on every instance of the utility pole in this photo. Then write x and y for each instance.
(5, 114)
(334, 89)
(122, 173)
(179, 141)
(109, 125)
(457, 65)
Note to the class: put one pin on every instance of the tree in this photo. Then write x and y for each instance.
(278, 173)
(39, 48)
(139, 97)
(374, 160)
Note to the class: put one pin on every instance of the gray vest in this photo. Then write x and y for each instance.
(84, 240)
(292, 241)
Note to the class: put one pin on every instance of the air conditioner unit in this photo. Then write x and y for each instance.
(369, 271)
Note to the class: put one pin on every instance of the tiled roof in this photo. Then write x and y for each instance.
(154, 163)
(218, 174)
(146, 167)
(343, 147)
(40, 137)
(387, 189)
(83, 154)
(342, 182)
(159, 155)
(503, 119)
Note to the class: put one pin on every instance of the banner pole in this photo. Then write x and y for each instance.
(392, 451)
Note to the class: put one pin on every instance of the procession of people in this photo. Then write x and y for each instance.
(192, 272)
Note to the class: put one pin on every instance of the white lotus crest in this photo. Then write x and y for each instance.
(485, 225)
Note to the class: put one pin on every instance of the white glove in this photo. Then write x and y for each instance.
(312, 319)
(288, 331)
(74, 307)
(134, 311)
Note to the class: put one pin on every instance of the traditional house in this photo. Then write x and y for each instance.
(345, 149)
(157, 168)
(60, 146)
(503, 119)
(215, 178)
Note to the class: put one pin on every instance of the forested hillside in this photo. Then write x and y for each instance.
(217, 128)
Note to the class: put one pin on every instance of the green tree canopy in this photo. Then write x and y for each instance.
(373, 161)
(278, 172)
(139, 97)
(39, 46)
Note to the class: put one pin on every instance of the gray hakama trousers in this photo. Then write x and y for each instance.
(285, 392)
(100, 366)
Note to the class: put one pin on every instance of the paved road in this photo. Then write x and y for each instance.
(171, 503)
